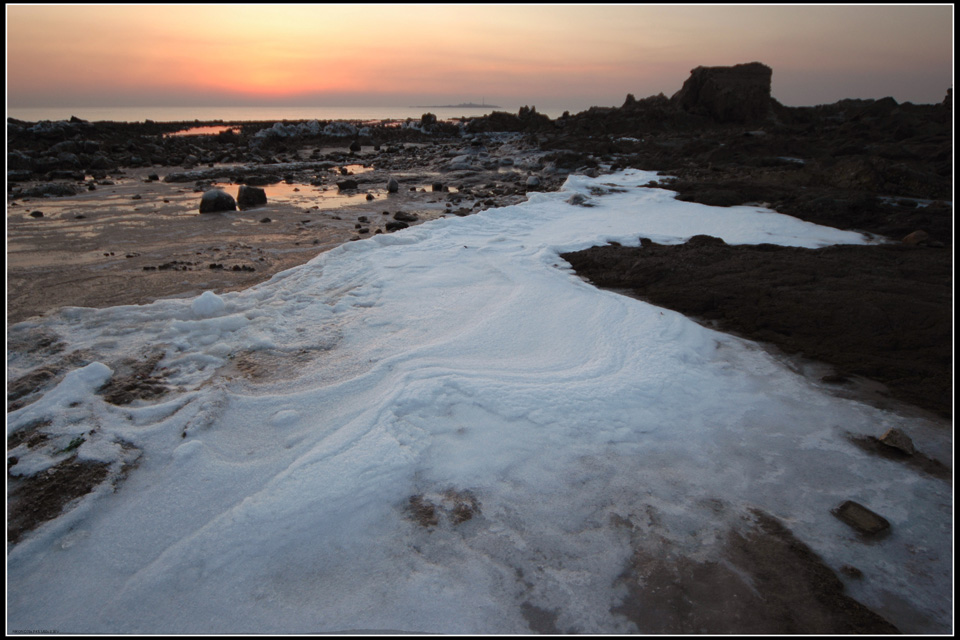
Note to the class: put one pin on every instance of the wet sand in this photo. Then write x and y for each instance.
(137, 240)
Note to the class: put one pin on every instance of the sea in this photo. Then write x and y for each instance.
(255, 114)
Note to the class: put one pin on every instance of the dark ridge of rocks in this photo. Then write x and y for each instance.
(527, 120)
(882, 312)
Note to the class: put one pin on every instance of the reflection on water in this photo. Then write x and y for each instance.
(356, 169)
(324, 197)
(202, 131)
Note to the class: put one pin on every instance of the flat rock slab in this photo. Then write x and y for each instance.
(860, 518)
(882, 312)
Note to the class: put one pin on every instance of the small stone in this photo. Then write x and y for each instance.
(36, 214)
(393, 186)
(851, 571)
(860, 518)
(917, 237)
(898, 440)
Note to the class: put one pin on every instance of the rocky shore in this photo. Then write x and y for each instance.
(102, 214)
(108, 213)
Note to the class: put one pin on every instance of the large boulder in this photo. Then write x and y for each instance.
(738, 94)
(217, 200)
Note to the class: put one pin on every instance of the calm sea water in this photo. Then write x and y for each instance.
(189, 114)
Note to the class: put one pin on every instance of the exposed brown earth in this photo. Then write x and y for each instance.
(768, 583)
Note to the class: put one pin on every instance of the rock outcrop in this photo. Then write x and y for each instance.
(738, 94)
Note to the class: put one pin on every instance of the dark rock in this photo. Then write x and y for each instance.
(216, 200)
(579, 199)
(437, 186)
(405, 217)
(393, 186)
(739, 94)
(19, 175)
(18, 160)
(851, 571)
(396, 225)
(36, 214)
(853, 307)
(355, 146)
(66, 174)
(347, 185)
(53, 189)
(262, 180)
(860, 518)
(249, 197)
(917, 237)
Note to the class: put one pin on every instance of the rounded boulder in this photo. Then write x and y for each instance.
(216, 200)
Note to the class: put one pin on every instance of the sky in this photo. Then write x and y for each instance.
(563, 56)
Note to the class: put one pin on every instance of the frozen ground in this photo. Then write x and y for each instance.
(445, 430)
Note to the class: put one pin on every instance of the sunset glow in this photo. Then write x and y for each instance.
(571, 56)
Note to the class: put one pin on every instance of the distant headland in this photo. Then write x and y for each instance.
(462, 105)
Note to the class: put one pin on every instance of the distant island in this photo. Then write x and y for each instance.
(462, 105)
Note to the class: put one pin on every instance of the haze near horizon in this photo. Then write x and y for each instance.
(566, 57)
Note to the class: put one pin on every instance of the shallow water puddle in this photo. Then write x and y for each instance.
(202, 131)
(327, 197)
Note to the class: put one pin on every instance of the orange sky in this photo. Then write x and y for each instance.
(558, 56)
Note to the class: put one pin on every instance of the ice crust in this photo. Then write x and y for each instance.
(458, 355)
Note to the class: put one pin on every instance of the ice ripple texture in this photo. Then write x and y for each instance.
(457, 360)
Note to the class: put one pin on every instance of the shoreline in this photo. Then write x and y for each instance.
(133, 229)
(133, 239)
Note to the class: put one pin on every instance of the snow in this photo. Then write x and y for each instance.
(460, 355)
(207, 305)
